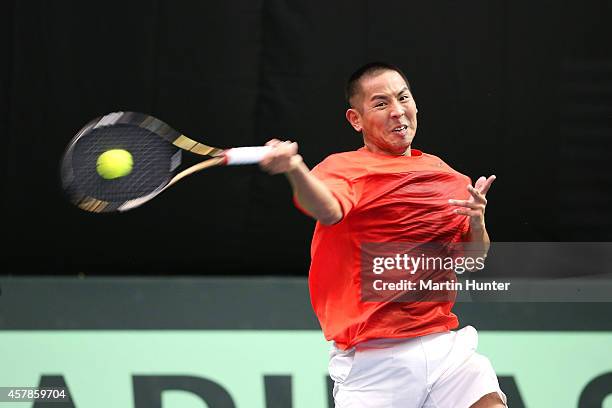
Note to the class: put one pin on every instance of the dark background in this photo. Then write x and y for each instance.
(519, 89)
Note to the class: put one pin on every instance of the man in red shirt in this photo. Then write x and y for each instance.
(389, 353)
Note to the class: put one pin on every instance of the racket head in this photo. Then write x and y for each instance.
(156, 149)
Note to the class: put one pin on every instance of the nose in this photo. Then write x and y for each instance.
(397, 110)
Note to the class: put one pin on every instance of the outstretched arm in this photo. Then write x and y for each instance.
(311, 193)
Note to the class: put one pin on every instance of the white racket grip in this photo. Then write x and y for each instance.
(246, 155)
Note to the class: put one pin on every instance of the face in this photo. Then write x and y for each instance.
(385, 113)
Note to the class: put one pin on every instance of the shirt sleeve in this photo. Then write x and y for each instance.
(339, 183)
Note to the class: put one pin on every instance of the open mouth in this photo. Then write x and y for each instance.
(400, 129)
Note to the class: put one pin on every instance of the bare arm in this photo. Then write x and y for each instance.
(311, 193)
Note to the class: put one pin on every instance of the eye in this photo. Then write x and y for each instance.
(404, 98)
(380, 105)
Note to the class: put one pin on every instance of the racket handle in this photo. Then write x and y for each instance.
(245, 155)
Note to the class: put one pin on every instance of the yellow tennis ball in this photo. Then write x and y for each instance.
(114, 163)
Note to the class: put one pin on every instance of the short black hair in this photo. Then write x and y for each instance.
(371, 68)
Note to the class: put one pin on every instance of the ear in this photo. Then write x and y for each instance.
(354, 118)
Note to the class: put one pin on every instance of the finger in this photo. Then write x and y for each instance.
(268, 157)
(286, 146)
(467, 212)
(294, 147)
(276, 166)
(487, 184)
(466, 204)
(279, 159)
(264, 164)
(480, 182)
(285, 149)
(477, 195)
(272, 142)
(290, 148)
(280, 168)
(273, 156)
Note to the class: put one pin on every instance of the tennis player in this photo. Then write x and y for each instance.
(389, 354)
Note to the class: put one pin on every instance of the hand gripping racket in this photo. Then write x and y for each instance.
(155, 154)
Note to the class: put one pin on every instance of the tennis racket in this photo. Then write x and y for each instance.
(155, 151)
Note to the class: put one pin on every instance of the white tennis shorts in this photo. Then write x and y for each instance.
(440, 370)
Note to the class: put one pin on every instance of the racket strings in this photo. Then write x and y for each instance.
(153, 161)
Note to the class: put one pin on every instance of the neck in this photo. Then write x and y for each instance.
(377, 150)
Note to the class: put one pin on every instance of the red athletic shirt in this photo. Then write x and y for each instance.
(384, 199)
